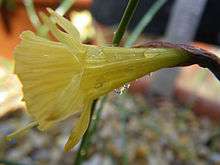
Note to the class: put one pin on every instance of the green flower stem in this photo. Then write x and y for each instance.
(97, 115)
(86, 140)
(132, 4)
(80, 156)
(41, 29)
(29, 5)
(85, 143)
(65, 6)
(144, 22)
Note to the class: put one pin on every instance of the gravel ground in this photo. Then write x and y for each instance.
(129, 132)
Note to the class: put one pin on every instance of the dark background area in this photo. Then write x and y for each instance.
(110, 12)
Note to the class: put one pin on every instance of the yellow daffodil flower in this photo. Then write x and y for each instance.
(63, 78)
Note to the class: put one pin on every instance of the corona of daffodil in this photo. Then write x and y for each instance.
(63, 78)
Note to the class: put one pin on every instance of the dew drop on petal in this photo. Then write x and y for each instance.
(121, 90)
(126, 86)
(149, 74)
(98, 85)
(150, 54)
(118, 91)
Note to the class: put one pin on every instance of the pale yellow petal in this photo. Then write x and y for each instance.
(69, 101)
(63, 37)
(45, 69)
(80, 128)
(65, 24)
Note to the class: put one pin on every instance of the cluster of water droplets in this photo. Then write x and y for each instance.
(121, 90)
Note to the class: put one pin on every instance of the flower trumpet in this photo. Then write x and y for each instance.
(63, 78)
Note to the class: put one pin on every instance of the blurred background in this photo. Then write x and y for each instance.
(170, 117)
